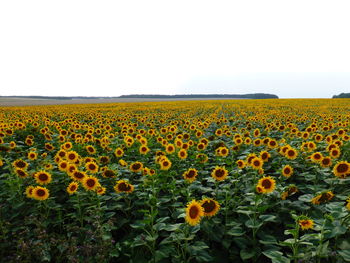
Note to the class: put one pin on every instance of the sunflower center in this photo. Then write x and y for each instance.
(266, 184)
(286, 170)
(256, 163)
(291, 153)
(73, 187)
(194, 211)
(43, 177)
(219, 173)
(90, 182)
(92, 167)
(109, 173)
(209, 206)
(71, 156)
(342, 168)
(78, 175)
(136, 166)
(191, 174)
(40, 192)
(21, 164)
(123, 187)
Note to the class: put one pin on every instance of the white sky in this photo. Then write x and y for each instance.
(108, 48)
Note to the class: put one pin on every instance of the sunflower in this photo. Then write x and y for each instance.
(219, 173)
(326, 162)
(92, 167)
(123, 163)
(20, 164)
(335, 152)
(165, 164)
(194, 213)
(190, 175)
(108, 173)
(267, 184)
(291, 153)
(72, 156)
(43, 177)
(170, 148)
(264, 155)
(71, 168)
(201, 146)
(222, 151)
(100, 190)
(341, 169)
(104, 160)
(182, 154)
(136, 167)
(90, 183)
(63, 165)
(119, 152)
(143, 149)
(316, 157)
(322, 198)
(123, 186)
(29, 191)
(240, 163)
(272, 144)
(61, 154)
(72, 188)
(67, 146)
(306, 223)
(90, 149)
(32, 156)
(21, 173)
(210, 206)
(257, 142)
(287, 171)
(257, 163)
(78, 175)
(40, 193)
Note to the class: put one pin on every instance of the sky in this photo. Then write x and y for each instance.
(294, 49)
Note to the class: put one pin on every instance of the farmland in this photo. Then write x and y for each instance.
(176, 181)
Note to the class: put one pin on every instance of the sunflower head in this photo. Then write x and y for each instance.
(219, 173)
(123, 186)
(136, 167)
(72, 188)
(306, 223)
(90, 183)
(190, 175)
(40, 193)
(194, 213)
(210, 206)
(267, 184)
(43, 177)
(287, 171)
(341, 169)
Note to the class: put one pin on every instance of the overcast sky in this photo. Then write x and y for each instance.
(294, 49)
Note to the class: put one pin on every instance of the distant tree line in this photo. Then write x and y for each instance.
(183, 96)
(342, 96)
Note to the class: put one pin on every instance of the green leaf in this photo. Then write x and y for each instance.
(345, 254)
(276, 256)
(247, 253)
(236, 231)
(268, 218)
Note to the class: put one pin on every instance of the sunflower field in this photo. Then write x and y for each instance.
(184, 181)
